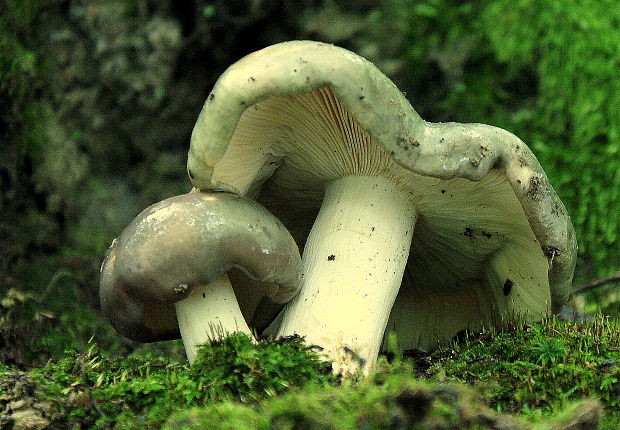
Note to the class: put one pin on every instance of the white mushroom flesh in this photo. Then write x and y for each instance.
(208, 313)
(353, 265)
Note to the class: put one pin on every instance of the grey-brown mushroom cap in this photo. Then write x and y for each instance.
(440, 150)
(187, 241)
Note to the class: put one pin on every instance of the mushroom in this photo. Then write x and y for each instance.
(174, 257)
(327, 143)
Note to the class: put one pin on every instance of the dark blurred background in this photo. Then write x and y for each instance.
(98, 99)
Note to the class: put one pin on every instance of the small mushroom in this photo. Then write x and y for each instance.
(443, 226)
(166, 274)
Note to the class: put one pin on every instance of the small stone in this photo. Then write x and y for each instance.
(29, 419)
(16, 404)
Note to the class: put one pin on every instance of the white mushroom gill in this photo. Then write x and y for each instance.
(358, 212)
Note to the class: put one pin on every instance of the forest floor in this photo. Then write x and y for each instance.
(552, 375)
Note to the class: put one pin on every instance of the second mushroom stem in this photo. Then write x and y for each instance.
(353, 266)
(209, 312)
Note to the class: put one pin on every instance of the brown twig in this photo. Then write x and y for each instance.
(597, 283)
(60, 273)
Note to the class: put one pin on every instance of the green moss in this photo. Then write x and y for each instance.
(20, 65)
(537, 368)
(543, 69)
(395, 403)
(35, 327)
(235, 367)
(573, 49)
(137, 392)
(538, 374)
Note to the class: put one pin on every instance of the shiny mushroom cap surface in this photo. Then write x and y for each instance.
(187, 241)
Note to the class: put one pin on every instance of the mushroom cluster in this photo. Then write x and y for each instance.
(422, 228)
(169, 273)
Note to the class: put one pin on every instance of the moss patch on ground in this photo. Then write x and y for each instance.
(86, 390)
(535, 369)
(552, 375)
(397, 403)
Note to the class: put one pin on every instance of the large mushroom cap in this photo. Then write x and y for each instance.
(187, 241)
(491, 235)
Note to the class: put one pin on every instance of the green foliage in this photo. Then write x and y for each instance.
(137, 392)
(394, 402)
(22, 71)
(121, 389)
(543, 69)
(35, 327)
(19, 64)
(573, 50)
(549, 351)
(237, 384)
(236, 367)
(537, 368)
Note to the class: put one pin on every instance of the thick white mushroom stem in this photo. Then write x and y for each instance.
(208, 313)
(353, 266)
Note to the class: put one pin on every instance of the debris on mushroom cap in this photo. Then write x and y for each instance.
(293, 118)
(187, 241)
